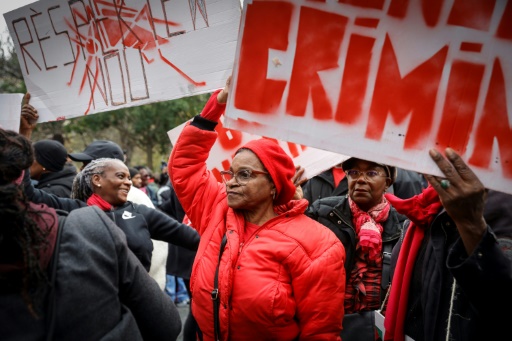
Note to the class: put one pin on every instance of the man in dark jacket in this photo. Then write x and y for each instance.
(50, 170)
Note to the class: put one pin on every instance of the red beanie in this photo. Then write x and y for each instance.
(279, 165)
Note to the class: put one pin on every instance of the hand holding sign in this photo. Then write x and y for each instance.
(29, 117)
(298, 179)
(463, 199)
(222, 97)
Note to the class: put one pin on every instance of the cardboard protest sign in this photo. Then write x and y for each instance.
(384, 80)
(314, 161)
(89, 56)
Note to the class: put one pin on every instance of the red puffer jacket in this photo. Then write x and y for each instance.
(285, 283)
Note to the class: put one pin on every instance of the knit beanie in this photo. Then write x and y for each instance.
(51, 154)
(279, 165)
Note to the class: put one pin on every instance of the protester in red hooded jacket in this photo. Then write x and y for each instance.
(281, 274)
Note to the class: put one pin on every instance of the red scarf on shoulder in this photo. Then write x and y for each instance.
(96, 200)
(421, 210)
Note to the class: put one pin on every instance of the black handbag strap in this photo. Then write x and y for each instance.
(50, 316)
(215, 293)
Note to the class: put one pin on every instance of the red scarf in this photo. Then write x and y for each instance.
(96, 200)
(368, 228)
(421, 210)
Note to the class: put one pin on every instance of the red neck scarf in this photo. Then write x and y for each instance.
(96, 200)
(421, 210)
(368, 228)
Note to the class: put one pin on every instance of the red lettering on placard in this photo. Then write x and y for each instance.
(367, 22)
(377, 4)
(431, 10)
(505, 27)
(228, 139)
(470, 47)
(254, 92)
(216, 174)
(294, 150)
(460, 105)
(355, 79)
(226, 164)
(398, 8)
(472, 13)
(494, 125)
(318, 46)
(413, 95)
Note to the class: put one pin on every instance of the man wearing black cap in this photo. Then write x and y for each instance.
(98, 149)
(49, 168)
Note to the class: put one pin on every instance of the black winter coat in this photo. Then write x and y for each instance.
(472, 292)
(179, 260)
(58, 183)
(335, 213)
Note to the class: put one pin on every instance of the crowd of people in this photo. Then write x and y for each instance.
(263, 255)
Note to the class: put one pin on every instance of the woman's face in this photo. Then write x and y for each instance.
(137, 180)
(113, 185)
(367, 191)
(253, 194)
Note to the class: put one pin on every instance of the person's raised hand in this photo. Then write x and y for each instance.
(216, 105)
(28, 118)
(222, 96)
(462, 195)
(298, 180)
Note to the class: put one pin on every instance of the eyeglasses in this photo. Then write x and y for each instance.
(371, 175)
(242, 177)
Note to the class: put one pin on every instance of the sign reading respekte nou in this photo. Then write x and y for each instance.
(87, 56)
(380, 79)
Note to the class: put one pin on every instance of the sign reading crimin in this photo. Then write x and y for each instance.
(384, 80)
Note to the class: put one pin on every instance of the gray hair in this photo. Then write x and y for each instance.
(82, 184)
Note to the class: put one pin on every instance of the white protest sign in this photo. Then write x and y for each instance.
(10, 107)
(89, 56)
(314, 161)
(382, 80)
